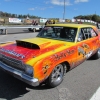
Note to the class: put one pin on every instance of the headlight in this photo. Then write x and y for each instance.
(29, 70)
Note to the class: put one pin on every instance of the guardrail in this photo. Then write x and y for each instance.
(11, 27)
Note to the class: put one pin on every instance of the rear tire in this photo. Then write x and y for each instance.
(97, 54)
(56, 77)
(1, 31)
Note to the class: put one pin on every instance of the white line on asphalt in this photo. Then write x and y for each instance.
(96, 95)
(6, 42)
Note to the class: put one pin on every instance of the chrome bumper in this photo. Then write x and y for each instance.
(19, 74)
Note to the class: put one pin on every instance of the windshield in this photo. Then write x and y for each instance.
(59, 33)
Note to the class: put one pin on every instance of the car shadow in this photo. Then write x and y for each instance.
(11, 88)
(92, 58)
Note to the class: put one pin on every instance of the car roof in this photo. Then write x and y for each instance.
(71, 25)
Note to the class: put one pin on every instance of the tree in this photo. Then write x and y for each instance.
(94, 18)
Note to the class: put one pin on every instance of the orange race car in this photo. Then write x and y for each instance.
(54, 51)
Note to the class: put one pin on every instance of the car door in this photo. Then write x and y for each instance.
(84, 45)
(94, 40)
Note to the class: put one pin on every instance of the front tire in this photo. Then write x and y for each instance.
(34, 30)
(29, 29)
(56, 77)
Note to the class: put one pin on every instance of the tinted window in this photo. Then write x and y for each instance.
(59, 33)
(86, 33)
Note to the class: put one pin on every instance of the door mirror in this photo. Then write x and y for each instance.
(79, 39)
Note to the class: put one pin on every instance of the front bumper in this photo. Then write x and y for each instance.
(19, 74)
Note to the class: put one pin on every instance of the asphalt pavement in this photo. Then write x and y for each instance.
(79, 84)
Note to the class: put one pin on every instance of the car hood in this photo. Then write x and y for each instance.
(30, 48)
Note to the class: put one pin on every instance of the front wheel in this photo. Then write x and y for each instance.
(56, 77)
(29, 29)
(34, 30)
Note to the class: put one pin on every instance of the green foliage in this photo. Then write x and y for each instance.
(5, 14)
(93, 17)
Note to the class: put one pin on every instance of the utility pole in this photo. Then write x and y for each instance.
(64, 11)
(95, 12)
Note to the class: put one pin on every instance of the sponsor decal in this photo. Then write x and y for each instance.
(81, 51)
(89, 54)
(63, 54)
(12, 53)
(84, 51)
(46, 66)
(85, 46)
(45, 69)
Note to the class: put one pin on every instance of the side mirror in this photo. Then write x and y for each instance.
(79, 39)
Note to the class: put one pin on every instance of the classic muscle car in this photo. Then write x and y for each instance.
(54, 51)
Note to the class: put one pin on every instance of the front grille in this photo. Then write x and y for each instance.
(12, 62)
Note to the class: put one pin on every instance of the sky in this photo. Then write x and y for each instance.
(66, 9)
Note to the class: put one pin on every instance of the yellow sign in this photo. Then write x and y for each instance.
(1, 20)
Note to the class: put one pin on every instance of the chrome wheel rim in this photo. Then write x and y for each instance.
(57, 73)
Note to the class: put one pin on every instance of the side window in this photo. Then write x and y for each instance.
(68, 33)
(93, 33)
(86, 33)
(80, 36)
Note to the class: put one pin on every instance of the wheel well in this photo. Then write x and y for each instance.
(66, 66)
(66, 69)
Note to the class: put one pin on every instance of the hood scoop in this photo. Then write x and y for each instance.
(28, 45)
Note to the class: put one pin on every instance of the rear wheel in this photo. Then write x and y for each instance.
(1, 31)
(56, 77)
(97, 54)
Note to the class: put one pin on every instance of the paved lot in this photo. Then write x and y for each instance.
(79, 83)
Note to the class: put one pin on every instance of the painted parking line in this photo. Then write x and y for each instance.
(96, 95)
